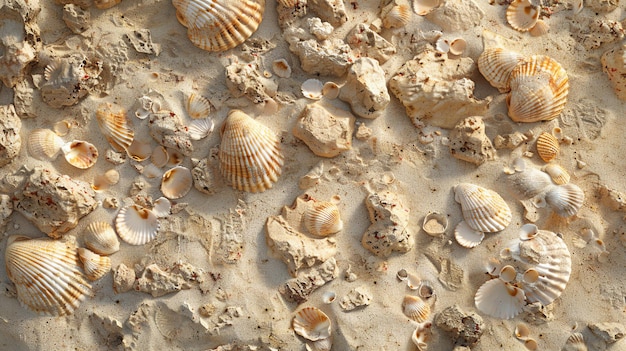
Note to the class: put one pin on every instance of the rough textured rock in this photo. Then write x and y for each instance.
(70, 79)
(245, 79)
(366, 88)
(456, 15)
(389, 230)
(614, 65)
(367, 43)
(141, 40)
(23, 99)
(158, 282)
(464, 328)
(330, 57)
(10, 140)
(20, 40)
(608, 332)
(602, 5)
(168, 130)
(592, 32)
(6, 208)
(298, 289)
(332, 11)
(355, 298)
(326, 130)
(204, 176)
(468, 141)
(321, 30)
(123, 279)
(76, 19)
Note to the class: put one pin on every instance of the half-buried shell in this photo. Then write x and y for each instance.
(94, 265)
(100, 238)
(323, 218)
(197, 106)
(499, 299)
(484, 210)
(115, 126)
(497, 64)
(136, 225)
(312, 324)
(566, 199)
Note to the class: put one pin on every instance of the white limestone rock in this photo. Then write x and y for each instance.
(10, 140)
(366, 88)
(468, 141)
(245, 79)
(367, 43)
(76, 19)
(69, 79)
(330, 57)
(326, 130)
(614, 65)
(390, 229)
(167, 129)
(321, 30)
(457, 15)
(332, 11)
(355, 298)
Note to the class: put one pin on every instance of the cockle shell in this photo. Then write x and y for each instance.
(320, 345)
(80, 154)
(522, 332)
(176, 182)
(466, 236)
(566, 199)
(250, 158)
(575, 342)
(522, 15)
(312, 324)
(46, 274)
(218, 25)
(415, 308)
(281, 68)
(323, 218)
(499, 299)
(94, 265)
(162, 207)
(197, 106)
(115, 126)
(100, 237)
(136, 225)
(529, 183)
(159, 156)
(540, 28)
(483, 209)
(539, 89)
(44, 144)
(397, 14)
(547, 146)
(497, 64)
(558, 174)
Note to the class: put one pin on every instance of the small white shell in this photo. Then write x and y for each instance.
(575, 342)
(197, 106)
(162, 207)
(435, 224)
(413, 281)
(281, 68)
(507, 274)
(522, 15)
(415, 308)
(547, 146)
(424, 7)
(312, 324)
(312, 89)
(466, 236)
(565, 200)
(100, 237)
(530, 276)
(61, 128)
(115, 126)
(558, 174)
(94, 265)
(421, 336)
(323, 219)
(483, 209)
(499, 299)
(457, 46)
(528, 231)
(442, 45)
(319, 345)
(44, 144)
(136, 225)
(329, 297)
(80, 154)
(529, 183)
(200, 128)
(176, 182)
(330, 90)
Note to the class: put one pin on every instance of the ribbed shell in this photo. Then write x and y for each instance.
(547, 146)
(558, 174)
(539, 89)
(575, 342)
(46, 274)
(566, 199)
(197, 106)
(312, 324)
(44, 144)
(94, 265)
(136, 225)
(323, 219)
(522, 15)
(499, 299)
(100, 237)
(398, 15)
(80, 154)
(176, 182)
(529, 183)
(218, 25)
(540, 28)
(115, 126)
(415, 308)
(320, 345)
(483, 209)
(200, 128)
(250, 158)
(497, 64)
(466, 236)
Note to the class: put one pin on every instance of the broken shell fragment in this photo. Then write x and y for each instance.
(425, 289)
(528, 231)
(499, 299)
(139, 150)
(100, 238)
(421, 336)
(435, 224)
(176, 182)
(575, 342)
(402, 275)
(197, 106)
(44, 144)
(424, 7)
(566, 199)
(136, 225)
(159, 156)
(415, 308)
(312, 324)
(442, 45)
(281, 68)
(80, 154)
(522, 15)
(558, 174)
(484, 210)
(466, 236)
(312, 89)
(115, 126)
(547, 146)
(497, 64)
(94, 265)
(323, 219)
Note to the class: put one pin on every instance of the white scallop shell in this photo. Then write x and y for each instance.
(200, 128)
(466, 236)
(312, 324)
(522, 15)
(499, 299)
(528, 231)
(421, 336)
(507, 274)
(94, 265)
(320, 345)
(497, 64)
(176, 182)
(197, 106)
(115, 126)
(80, 154)
(312, 89)
(46, 274)
(565, 200)
(424, 7)
(415, 308)
(136, 225)
(162, 207)
(547, 146)
(281, 68)
(100, 237)
(323, 219)
(44, 144)
(558, 174)
(529, 183)
(575, 342)
(483, 209)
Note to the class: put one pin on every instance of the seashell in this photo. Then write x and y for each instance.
(174, 158)
(171, 324)
(105, 4)
(530, 344)
(566, 199)
(176, 182)
(281, 68)
(575, 342)
(312, 89)
(61, 128)
(466, 236)
(577, 6)
(425, 289)
(159, 156)
(136, 225)
(547, 146)
(80, 154)
(413, 281)
(151, 171)
(528, 231)
(329, 297)
(397, 14)
(115, 126)
(442, 45)
(424, 7)
(421, 336)
(46, 274)
(100, 238)
(320, 345)
(323, 219)
(162, 207)
(415, 308)
(457, 46)
(197, 106)
(522, 332)
(435, 224)
(44, 144)
(312, 324)
(94, 265)
(529, 183)
(507, 274)
(558, 174)
(402, 275)
(539, 89)
(540, 28)
(200, 128)
(499, 299)
(250, 158)
(483, 209)
(139, 150)
(288, 3)
(103, 181)
(330, 90)
(531, 276)
(218, 25)
(497, 64)
(522, 15)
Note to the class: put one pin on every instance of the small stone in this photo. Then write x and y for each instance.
(333, 11)
(207, 310)
(464, 328)
(321, 30)
(367, 43)
(123, 279)
(390, 230)
(326, 130)
(245, 79)
(114, 157)
(468, 141)
(366, 88)
(332, 57)
(614, 65)
(204, 176)
(607, 331)
(299, 289)
(10, 140)
(357, 297)
(76, 19)
(168, 130)
(363, 132)
(141, 40)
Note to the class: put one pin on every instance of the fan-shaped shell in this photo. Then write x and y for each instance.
(539, 89)
(575, 342)
(540, 28)
(483, 209)
(80, 154)
(397, 15)
(522, 15)
(200, 128)
(415, 308)
(312, 324)
(499, 299)
(115, 126)
(162, 207)
(46, 274)
(136, 225)
(466, 236)
(250, 158)
(558, 174)
(197, 106)
(566, 199)
(323, 219)
(44, 144)
(94, 265)
(100, 237)
(547, 146)
(176, 182)
(218, 25)
(497, 64)
(529, 183)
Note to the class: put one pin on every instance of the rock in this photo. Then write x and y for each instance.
(330, 57)
(20, 40)
(168, 130)
(6, 208)
(456, 15)
(326, 130)
(509, 141)
(76, 19)
(464, 328)
(321, 30)
(141, 40)
(110, 329)
(367, 43)
(468, 141)
(614, 65)
(245, 79)
(608, 332)
(389, 231)
(612, 198)
(536, 313)
(287, 15)
(10, 140)
(23, 99)
(366, 88)
(299, 288)
(363, 132)
(204, 176)
(313, 177)
(333, 11)
(592, 32)
(602, 5)
(158, 282)
(70, 79)
(123, 279)
(357, 297)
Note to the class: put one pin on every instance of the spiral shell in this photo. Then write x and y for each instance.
(312, 324)
(547, 146)
(136, 225)
(522, 15)
(115, 126)
(415, 308)
(80, 154)
(44, 144)
(94, 265)
(497, 64)
(100, 238)
(176, 182)
(323, 219)
(483, 209)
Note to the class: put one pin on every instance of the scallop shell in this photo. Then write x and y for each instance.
(162, 207)
(575, 342)
(323, 219)
(435, 224)
(250, 158)
(80, 154)
(425, 289)
(421, 336)
(115, 126)
(522, 15)
(281, 68)
(44, 144)
(312, 324)
(218, 25)
(566, 199)
(176, 182)
(539, 89)
(200, 128)
(547, 146)
(540, 28)
(529, 183)
(483, 209)
(424, 7)
(499, 299)
(288, 3)
(397, 15)
(329, 297)
(312, 89)
(415, 308)
(197, 106)
(497, 64)
(457, 46)
(466, 236)
(136, 225)
(558, 174)
(94, 265)
(320, 345)
(100, 238)
(528, 231)
(46, 274)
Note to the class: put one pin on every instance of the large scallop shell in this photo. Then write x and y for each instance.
(323, 219)
(80, 154)
(46, 274)
(312, 324)
(522, 15)
(499, 299)
(565, 199)
(100, 237)
(44, 144)
(497, 64)
(539, 89)
(250, 158)
(136, 225)
(176, 182)
(547, 146)
(415, 308)
(483, 209)
(115, 126)
(94, 265)
(218, 25)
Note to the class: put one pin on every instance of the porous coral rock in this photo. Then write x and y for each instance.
(123, 279)
(614, 65)
(355, 298)
(76, 19)
(244, 79)
(141, 40)
(367, 43)
(23, 99)
(331, 57)
(366, 88)
(456, 15)
(158, 282)
(464, 328)
(609, 332)
(204, 176)
(19, 39)
(332, 11)
(602, 5)
(10, 140)
(298, 289)
(390, 229)
(326, 130)
(168, 130)
(592, 32)
(468, 141)
(70, 79)
(321, 30)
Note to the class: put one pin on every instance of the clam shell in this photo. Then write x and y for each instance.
(442, 45)
(200, 128)
(100, 238)
(94, 265)
(115, 126)
(46, 274)
(531, 344)
(281, 68)
(415, 308)
(435, 224)
(80, 154)
(139, 150)
(250, 158)
(558, 174)
(522, 332)
(329, 297)
(136, 225)
(547, 146)
(331, 90)
(197, 106)
(458, 46)
(312, 89)
(397, 15)
(497, 64)
(522, 15)
(528, 231)
(566, 199)
(499, 299)
(176, 182)
(424, 7)
(323, 219)
(466, 236)
(425, 289)
(539, 89)
(312, 324)
(44, 144)
(218, 25)
(575, 342)
(540, 28)
(483, 209)
(421, 336)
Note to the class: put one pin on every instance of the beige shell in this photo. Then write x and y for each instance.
(507, 274)
(575, 342)
(176, 182)
(105, 4)
(320, 345)
(483, 209)
(312, 324)
(115, 126)
(522, 15)
(558, 174)
(250, 158)
(539, 89)
(330, 90)
(497, 64)
(200, 128)
(104, 180)
(44, 144)
(136, 225)
(397, 14)
(323, 219)
(421, 336)
(529, 183)
(435, 224)
(466, 236)
(547, 146)
(415, 308)
(159, 156)
(288, 3)
(197, 106)
(46, 274)
(522, 332)
(162, 207)
(100, 238)
(531, 344)
(540, 28)
(312, 89)
(499, 299)
(566, 199)
(281, 68)
(80, 154)
(218, 25)
(424, 7)
(457, 46)
(94, 265)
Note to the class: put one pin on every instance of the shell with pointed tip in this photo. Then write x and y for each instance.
(44, 144)
(575, 342)
(136, 225)
(218, 25)
(558, 174)
(466, 236)
(80, 154)
(483, 209)
(397, 14)
(565, 199)
(115, 126)
(250, 158)
(100, 237)
(46, 274)
(539, 89)
(415, 308)
(499, 299)
(323, 219)
(424, 7)
(197, 106)
(497, 64)
(312, 324)
(94, 265)
(421, 336)
(547, 146)
(522, 15)
(176, 182)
